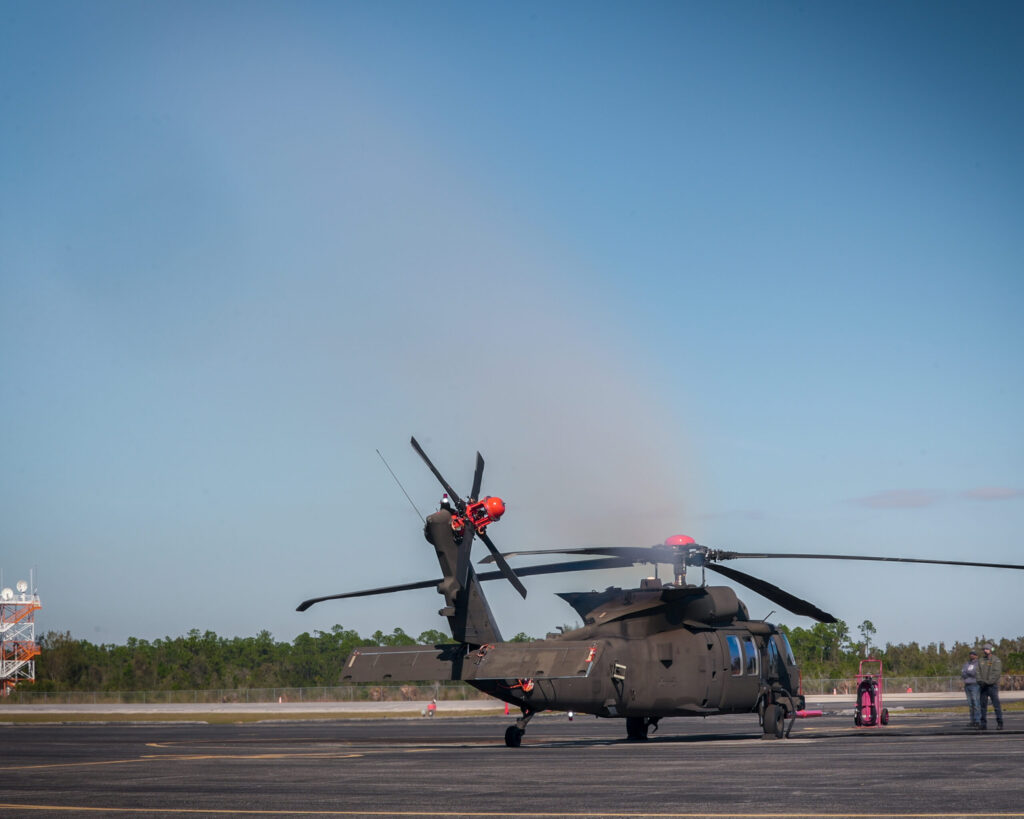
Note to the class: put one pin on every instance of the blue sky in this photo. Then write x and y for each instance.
(750, 272)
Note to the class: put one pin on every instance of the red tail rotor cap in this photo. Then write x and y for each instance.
(495, 507)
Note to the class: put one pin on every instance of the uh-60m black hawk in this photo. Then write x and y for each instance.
(663, 650)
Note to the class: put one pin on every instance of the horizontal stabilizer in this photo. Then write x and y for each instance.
(403, 663)
(540, 660)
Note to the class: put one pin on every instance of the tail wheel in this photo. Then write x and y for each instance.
(885, 716)
(514, 736)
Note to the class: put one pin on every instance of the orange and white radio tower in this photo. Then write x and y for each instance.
(18, 646)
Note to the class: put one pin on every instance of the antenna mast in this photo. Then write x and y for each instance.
(18, 646)
(393, 475)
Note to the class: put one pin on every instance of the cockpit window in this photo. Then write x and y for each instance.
(735, 656)
(751, 655)
(790, 659)
(773, 659)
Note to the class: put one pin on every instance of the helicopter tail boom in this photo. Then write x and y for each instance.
(390, 663)
(494, 663)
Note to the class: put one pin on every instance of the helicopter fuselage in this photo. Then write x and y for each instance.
(654, 652)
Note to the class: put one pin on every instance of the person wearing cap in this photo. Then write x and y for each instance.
(969, 674)
(990, 669)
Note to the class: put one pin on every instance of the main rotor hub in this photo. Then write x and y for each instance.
(686, 552)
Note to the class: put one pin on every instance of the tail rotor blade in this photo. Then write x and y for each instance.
(447, 488)
(462, 558)
(503, 566)
(478, 477)
(466, 546)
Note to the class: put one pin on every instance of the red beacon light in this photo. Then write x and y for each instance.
(680, 540)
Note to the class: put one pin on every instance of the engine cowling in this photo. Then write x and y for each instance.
(718, 606)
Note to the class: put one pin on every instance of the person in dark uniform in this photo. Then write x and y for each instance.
(990, 669)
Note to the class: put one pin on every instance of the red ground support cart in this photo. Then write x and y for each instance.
(869, 711)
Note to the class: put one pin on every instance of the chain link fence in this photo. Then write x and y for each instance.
(409, 692)
(906, 685)
(342, 693)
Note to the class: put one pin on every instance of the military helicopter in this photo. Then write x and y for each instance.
(663, 650)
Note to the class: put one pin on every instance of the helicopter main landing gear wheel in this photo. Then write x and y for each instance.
(774, 722)
(636, 729)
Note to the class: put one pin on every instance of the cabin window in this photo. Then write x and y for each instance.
(735, 655)
(751, 653)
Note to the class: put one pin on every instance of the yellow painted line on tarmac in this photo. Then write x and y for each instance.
(241, 812)
(43, 765)
(191, 757)
(171, 757)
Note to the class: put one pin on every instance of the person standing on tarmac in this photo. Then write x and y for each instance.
(990, 669)
(969, 674)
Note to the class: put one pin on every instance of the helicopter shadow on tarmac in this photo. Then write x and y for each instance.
(836, 726)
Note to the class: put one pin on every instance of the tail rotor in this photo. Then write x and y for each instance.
(472, 516)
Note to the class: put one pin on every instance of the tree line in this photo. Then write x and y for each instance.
(204, 660)
(830, 651)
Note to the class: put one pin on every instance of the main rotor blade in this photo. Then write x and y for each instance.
(451, 492)
(775, 594)
(478, 477)
(422, 584)
(717, 554)
(563, 567)
(503, 565)
(636, 554)
(666, 554)
(548, 568)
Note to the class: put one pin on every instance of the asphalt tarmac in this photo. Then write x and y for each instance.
(921, 765)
